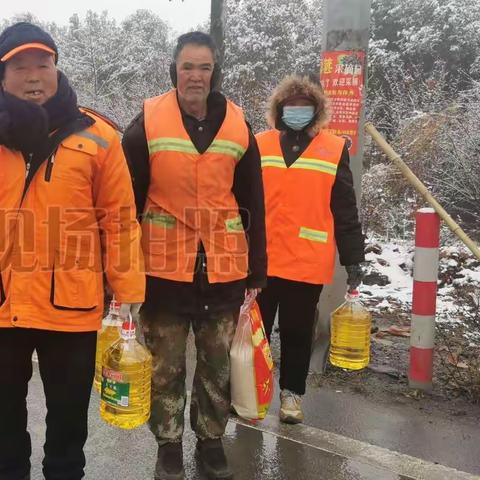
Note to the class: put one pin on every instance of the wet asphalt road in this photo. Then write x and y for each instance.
(346, 437)
(130, 455)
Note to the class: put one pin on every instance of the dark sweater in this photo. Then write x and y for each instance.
(200, 295)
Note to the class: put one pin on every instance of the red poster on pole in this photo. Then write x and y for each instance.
(342, 78)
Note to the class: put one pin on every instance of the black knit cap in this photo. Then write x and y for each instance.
(24, 34)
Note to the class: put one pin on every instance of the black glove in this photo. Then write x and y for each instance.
(355, 275)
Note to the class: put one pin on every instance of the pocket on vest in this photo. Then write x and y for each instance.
(312, 244)
(236, 243)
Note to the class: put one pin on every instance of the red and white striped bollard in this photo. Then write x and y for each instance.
(425, 274)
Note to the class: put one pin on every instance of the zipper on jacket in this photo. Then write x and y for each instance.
(27, 176)
(48, 170)
(56, 139)
(2, 291)
(29, 163)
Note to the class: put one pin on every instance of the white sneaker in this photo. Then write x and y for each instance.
(290, 407)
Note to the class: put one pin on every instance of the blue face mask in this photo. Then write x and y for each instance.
(298, 118)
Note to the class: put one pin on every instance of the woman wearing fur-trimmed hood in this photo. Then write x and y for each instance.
(310, 212)
(292, 87)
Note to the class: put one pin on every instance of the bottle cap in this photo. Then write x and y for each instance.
(128, 329)
(114, 307)
(352, 294)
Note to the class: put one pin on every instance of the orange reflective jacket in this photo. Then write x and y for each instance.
(75, 222)
(300, 229)
(190, 197)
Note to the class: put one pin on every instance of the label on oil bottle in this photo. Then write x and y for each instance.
(115, 391)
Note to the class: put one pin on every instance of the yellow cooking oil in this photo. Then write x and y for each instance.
(108, 335)
(351, 324)
(126, 381)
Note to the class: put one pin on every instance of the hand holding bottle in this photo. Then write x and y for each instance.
(127, 309)
(355, 275)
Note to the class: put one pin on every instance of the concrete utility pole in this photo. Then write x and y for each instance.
(217, 30)
(346, 28)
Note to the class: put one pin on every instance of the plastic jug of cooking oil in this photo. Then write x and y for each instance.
(108, 335)
(126, 381)
(351, 324)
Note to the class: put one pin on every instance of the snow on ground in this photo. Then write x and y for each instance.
(470, 276)
(395, 262)
(392, 264)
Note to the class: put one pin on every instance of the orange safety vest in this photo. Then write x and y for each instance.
(74, 223)
(299, 222)
(190, 197)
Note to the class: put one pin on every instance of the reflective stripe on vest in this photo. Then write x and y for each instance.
(300, 227)
(224, 147)
(234, 224)
(313, 235)
(301, 163)
(171, 145)
(165, 220)
(273, 161)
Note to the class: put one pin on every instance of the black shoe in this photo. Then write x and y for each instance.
(170, 462)
(213, 459)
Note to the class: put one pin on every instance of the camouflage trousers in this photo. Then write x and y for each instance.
(165, 336)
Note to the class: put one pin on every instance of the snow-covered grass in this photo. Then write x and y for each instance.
(394, 260)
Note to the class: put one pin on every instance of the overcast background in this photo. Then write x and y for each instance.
(180, 15)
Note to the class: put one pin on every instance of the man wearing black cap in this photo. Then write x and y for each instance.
(67, 216)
